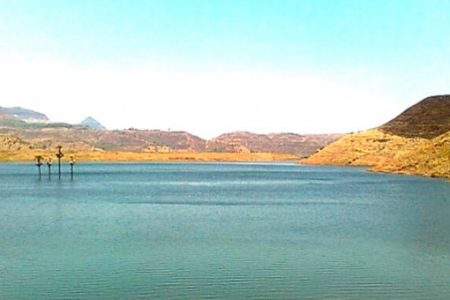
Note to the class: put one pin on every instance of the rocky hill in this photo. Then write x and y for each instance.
(22, 114)
(84, 138)
(149, 140)
(91, 135)
(243, 141)
(415, 142)
(90, 122)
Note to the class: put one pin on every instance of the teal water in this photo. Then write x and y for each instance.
(225, 231)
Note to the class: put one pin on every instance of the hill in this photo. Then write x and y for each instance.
(37, 133)
(243, 141)
(23, 114)
(83, 138)
(12, 143)
(415, 142)
(27, 115)
(90, 122)
(427, 119)
(22, 118)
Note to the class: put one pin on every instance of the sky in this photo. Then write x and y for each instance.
(210, 67)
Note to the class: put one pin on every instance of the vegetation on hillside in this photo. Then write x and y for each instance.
(427, 119)
(29, 155)
(416, 142)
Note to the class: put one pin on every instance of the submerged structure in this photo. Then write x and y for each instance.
(59, 154)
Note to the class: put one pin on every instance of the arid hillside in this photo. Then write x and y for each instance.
(242, 141)
(427, 119)
(12, 143)
(38, 133)
(33, 131)
(415, 142)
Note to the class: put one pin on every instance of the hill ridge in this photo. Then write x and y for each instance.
(415, 142)
(428, 118)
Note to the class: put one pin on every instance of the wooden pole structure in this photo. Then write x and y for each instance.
(39, 164)
(49, 165)
(71, 162)
(59, 155)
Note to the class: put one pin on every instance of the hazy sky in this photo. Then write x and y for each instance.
(210, 67)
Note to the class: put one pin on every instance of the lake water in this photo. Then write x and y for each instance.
(226, 231)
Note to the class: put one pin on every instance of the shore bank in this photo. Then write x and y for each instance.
(111, 156)
(384, 169)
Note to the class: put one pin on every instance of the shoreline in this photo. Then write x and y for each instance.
(28, 156)
(378, 169)
(122, 156)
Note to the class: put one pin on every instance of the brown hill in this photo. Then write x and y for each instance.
(108, 140)
(18, 123)
(47, 135)
(427, 119)
(148, 140)
(399, 146)
(12, 143)
(243, 141)
(76, 138)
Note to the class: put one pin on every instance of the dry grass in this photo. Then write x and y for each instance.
(111, 156)
(389, 153)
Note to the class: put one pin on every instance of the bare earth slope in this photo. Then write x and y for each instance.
(41, 134)
(12, 143)
(243, 141)
(416, 142)
(427, 119)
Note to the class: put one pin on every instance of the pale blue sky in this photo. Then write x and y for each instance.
(371, 59)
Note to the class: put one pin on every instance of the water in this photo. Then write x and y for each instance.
(227, 231)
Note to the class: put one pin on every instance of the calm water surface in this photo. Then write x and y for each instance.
(227, 231)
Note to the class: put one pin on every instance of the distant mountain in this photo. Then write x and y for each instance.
(92, 123)
(17, 117)
(26, 115)
(415, 142)
(92, 135)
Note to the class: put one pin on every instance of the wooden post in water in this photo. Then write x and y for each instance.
(39, 164)
(71, 162)
(59, 155)
(49, 165)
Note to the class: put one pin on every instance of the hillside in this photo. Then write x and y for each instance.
(415, 142)
(12, 143)
(427, 119)
(90, 122)
(243, 141)
(39, 133)
(83, 138)
(26, 115)
(27, 155)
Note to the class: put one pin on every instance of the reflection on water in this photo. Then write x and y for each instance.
(228, 231)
